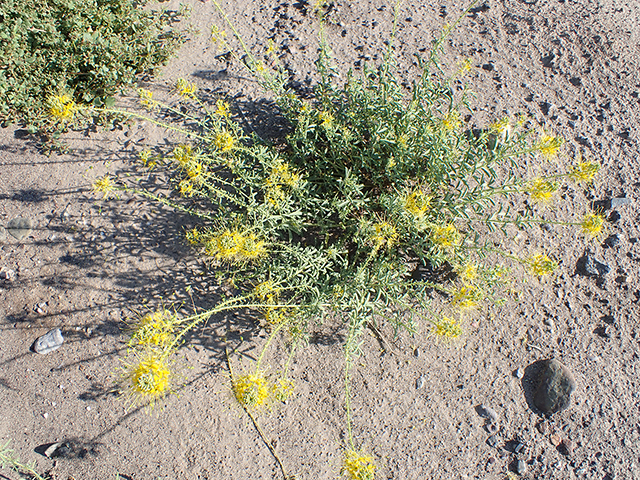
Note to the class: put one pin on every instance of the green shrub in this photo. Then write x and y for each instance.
(372, 181)
(88, 49)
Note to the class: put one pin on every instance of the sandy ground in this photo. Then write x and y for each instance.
(89, 265)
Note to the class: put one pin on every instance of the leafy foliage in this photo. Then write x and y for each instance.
(88, 49)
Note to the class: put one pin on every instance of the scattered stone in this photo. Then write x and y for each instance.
(492, 441)
(619, 201)
(8, 275)
(59, 449)
(416, 352)
(420, 382)
(20, 228)
(491, 427)
(556, 384)
(3, 234)
(521, 467)
(542, 427)
(566, 447)
(555, 439)
(49, 342)
(591, 266)
(611, 241)
(487, 413)
(519, 447)
(519, 373)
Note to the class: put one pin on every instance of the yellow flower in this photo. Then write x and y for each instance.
(452, 120)
(274, 315)
(193, 236)
(275, 196)
(251, 390)
(194, 169)
(358, 465)
(103, 185)
(222, 108)
(148, 378)
(146, 99)
(62, 107)
(385, 235)
(217, 35)
(147, 158)
(186, 89)
(465, 66)
(548, 145)
(593, 225)
(154, 330)
(186, 188)
(183, 154)
(446, 236)
(252, 248)
(224, 141)
(281, 175)
(447, 328)
(541, 189)
(326, 119)
(283, 389)
(417, 203)
(540, 264)
(467, 297)
(468, 273)
(584, 171)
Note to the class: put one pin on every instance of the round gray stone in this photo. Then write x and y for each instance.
(20, 227)
(555, 386)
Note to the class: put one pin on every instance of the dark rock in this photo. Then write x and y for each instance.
(611, 241)
(556, 384)
(492, 441)
(487, 413)
(588, 265)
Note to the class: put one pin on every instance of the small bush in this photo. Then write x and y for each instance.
(374, 183)
(88, 49)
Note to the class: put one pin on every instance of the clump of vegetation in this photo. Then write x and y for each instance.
(83, 51)
(372, 182)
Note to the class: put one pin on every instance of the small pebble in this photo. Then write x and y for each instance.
(420, 382)
(3, 234)
(20, 228)
(416, 352)
(567, 447)
(555, 439)
(519, 447)
(492, 427)
(620, 201)
(492, 441)
(8, 275)
(487, 413)
(611, 241)
(49, 342)
(521, 467)
(45, 415)
(519, 373)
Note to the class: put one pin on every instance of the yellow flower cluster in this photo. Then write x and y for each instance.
(548, 145)
(468, 272)
(222, 108)
(186, 89)
(540, 264)
(154, 330)
(358, 465)
(251, 390)
(103, 186)
(445, 236)
(384, 234)
(62, 107)
(146, 99)
(224, 141)
(233, 246)
(417, 203)
(326, 119)
(148, 378)
(467, 297)
(447, 328)
(451, 121)
(541, 189)
(593, 225)
(584, 171)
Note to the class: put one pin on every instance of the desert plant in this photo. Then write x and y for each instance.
(86, 50)
(372, 181)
